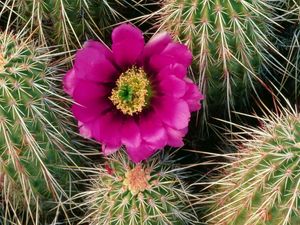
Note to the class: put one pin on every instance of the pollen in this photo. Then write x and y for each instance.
(137, 180)
(132, 92)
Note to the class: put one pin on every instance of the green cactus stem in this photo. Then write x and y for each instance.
(35, 153)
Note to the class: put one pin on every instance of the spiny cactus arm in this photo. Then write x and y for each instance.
(37, 151)
(223, 51)
(37, 9)
(254, 185)
(11, 205)
(292, 204)
(31, 138)
(172, 17)
(14, 157)
(63, 25)
(262, 184)
(12, 151)
(189, 28)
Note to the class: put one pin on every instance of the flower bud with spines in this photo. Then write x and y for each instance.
(151, 192)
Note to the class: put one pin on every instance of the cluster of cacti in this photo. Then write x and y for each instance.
(126, 193)
(233, 49)
(34, 143)
(261, 185)
(66, 22)
(231, 43)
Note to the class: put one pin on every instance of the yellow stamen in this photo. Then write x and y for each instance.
(137, 180)
(132, 91)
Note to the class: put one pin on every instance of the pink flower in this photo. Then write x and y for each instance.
(134, 95)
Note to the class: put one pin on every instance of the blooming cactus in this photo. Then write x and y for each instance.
(135, 95)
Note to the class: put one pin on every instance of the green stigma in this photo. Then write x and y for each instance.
(126, 93)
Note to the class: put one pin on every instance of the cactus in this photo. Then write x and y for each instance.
(35, 154)
(261, 186)
(65, 22)
(151, 192)
(230, 43)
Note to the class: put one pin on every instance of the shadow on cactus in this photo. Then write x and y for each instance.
(153, 192)
(230, 41)
(261, 183)
(290, 44)
(35, 154)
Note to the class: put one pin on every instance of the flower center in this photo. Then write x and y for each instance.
(137, 180)
(132, 92)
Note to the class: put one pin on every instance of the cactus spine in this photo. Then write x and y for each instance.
(149, 193)
(262, 185)
(34, 147)
(229, 42)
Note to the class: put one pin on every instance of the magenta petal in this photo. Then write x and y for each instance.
(180, 52)
(131, 136)
(177, 70)
(144, 151)
(100, 47)
(172, 54)
(175, 137)
(92, 65)
(84, 114)
(103, 71)
(70, 82)
(126, 31)
(193, 96)
(107, 129)
(109, 149)
(152, 130)
(91, 111)
(173, 112)
(158, 62)
(89, 93)
(173, 86)
(128, 44)
(156, 44)
(84, 130)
